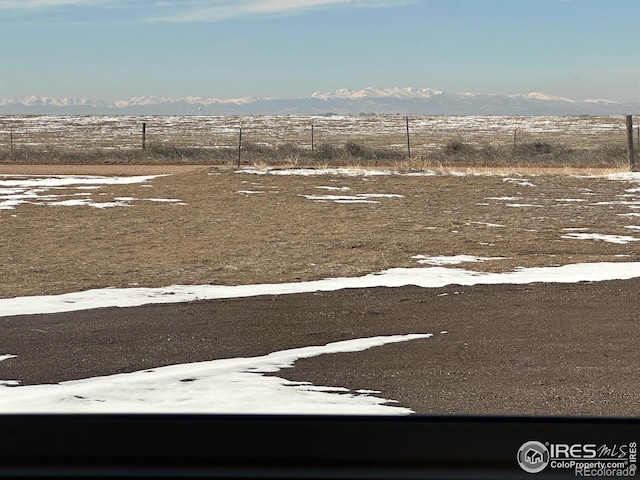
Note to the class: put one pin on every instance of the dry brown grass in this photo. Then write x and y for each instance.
(224, 237)
(374, 139)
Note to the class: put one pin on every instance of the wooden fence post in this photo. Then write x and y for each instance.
(239, 145)
(515, 138)
(144, 134)
(630, 152)
(312, 145)
(11, 140)
(408, 142)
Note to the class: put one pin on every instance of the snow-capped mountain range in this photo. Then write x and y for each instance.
(409, 100)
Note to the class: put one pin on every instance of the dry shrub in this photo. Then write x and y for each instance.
(454, 153)
(457, 151)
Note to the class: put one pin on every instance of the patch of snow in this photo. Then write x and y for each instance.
(619, 202)
(358, 198)
(621, 239)
(427, 277)
(70, 180)
(633, 176)
(88, 203)
(486, 224)
(521, 205)
(522, 182)
(233, 385)
(339, 189)
(33, 189)
(452, 260)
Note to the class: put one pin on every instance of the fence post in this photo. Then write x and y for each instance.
(312, 139)
(408, 142)
(630, 153)
(144, 134)
(239, 145)
(515, 138)
(11, 140)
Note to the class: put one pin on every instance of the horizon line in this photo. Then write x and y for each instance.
(344, 92)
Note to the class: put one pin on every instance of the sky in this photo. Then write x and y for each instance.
(118, 49)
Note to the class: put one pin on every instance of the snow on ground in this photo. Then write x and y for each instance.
(357, 198)
(452, 260)
(249, 192)
(428, 131)
(620, 239)
(237, 385)
(234, 385)
(38, 189)
(338, 189)
(522, 182)
(627, 176)
(521, 205)
(486, 224)
(428, 277)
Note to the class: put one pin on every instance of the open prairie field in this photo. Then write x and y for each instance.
(503, 290)
(163, 225)
(327, 138)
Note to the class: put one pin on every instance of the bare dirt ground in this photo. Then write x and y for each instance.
(540, 349)
(110, 169)
(536, 349)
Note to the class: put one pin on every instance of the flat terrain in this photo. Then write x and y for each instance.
(534, 349)
(237, 228)
(509, 349)
(428, 132)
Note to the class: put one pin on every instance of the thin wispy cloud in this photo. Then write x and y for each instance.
(186, 11)
(35, 5)
(215, 11)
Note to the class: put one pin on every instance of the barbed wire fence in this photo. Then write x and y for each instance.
(314, 138)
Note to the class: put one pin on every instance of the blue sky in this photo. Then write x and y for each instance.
(116, 49)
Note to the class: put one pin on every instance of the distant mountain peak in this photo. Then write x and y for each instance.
(404, 100)
(373, 92)
(544, 96)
